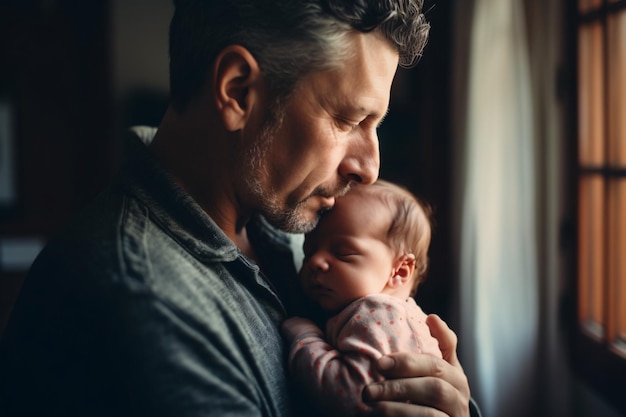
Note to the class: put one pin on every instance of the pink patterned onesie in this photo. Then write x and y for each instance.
(333, 370)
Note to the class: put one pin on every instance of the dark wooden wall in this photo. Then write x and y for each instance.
(415, 148)
(55, 75)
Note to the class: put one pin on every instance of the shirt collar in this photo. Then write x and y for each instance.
(170, 206)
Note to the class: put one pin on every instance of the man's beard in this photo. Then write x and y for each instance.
(289, 219)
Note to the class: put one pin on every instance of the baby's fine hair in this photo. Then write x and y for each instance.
(411, 225)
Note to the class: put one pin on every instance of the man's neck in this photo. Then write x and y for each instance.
(244, 245)
(181, 147)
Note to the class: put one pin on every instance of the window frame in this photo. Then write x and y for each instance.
(594, 358)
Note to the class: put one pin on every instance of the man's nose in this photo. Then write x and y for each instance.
(362, 160)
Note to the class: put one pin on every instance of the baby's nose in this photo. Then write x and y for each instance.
(318, 263)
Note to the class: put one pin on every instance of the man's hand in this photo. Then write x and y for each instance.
(419, 384)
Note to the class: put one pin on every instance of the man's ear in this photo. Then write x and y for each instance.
(237, 80)
(403, 270)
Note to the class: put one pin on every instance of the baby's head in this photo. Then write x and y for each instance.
(374, 240)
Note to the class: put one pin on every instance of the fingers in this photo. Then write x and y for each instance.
(410, 364)
(415, 365)
(430, 384)
(445, 336)
(447, 344)
(397, 409)
(428, 396)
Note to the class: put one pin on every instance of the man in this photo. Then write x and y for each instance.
(165, 296)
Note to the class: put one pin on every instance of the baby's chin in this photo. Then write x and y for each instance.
(330, 308)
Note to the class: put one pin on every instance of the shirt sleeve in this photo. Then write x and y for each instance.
(331, 379)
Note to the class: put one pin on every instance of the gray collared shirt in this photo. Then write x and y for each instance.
(144, 307)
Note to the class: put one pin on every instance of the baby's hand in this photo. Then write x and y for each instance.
(299, 327)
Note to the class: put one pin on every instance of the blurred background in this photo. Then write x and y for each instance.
(512, 125)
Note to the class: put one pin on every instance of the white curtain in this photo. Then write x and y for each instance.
(498, 271)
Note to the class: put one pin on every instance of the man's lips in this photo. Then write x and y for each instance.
(328, 197)
(327, 202)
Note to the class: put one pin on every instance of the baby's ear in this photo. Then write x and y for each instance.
(403, 270)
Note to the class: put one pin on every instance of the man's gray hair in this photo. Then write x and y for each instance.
(289, 38)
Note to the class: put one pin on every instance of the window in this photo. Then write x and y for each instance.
(601, 330)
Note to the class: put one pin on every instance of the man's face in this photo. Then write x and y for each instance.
(326, 141)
